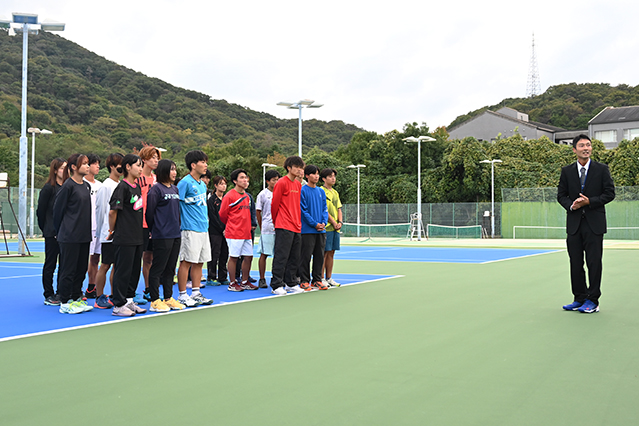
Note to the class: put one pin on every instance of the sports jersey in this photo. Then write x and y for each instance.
(285, 206)
(314, 209)
(333, 204)
(193, 210)
(163, 212)
(102, 209)
(145, 183)
(127, 200)
(263, 204)
(235, 212)
(95, 187)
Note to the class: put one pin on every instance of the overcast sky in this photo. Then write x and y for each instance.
(374, 64)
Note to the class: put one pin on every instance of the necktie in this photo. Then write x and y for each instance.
(582, 178)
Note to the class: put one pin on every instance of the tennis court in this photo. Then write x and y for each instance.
(440, 342)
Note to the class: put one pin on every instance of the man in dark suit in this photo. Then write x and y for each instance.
(584, 188)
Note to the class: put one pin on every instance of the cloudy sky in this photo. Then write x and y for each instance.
(374, 64)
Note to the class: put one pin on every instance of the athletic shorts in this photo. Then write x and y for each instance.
(147, 244)
(108, 253)
(195, 247)
(239, 248)
(332, 241)
(266, 245)
(95, 247)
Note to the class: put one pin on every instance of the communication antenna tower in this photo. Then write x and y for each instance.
(534, 87)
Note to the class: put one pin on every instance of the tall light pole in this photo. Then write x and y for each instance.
(492, 194)
(419, 177)
(264, 166)
(28, 24)
(306, 103)
(33, 131)
(359, 166)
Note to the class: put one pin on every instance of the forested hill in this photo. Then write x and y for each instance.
(96, 105)
(569, 106)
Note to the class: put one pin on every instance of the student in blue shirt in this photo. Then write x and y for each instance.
(195, 248)
(314, 220)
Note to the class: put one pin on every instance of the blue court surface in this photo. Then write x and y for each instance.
(23, 311)
(434, 254)
(400, 254)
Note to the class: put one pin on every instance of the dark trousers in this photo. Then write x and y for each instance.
(165, 255)
(126, 272)
(286, 258)
(312, 245)
(219, 258)
(74, 262)
(585, 241)
(51, 254)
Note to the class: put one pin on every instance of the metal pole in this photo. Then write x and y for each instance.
(419, 189)
(31, 220)
(358, 202)
(22, 186)
(299, 138)
(492, 199)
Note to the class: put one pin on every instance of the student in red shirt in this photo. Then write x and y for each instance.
(287, 218)
(235, 213)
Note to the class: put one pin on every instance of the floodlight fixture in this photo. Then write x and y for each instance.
(419, 176)
(304, 103)
(27, 23)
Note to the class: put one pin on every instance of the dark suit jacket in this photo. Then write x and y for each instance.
(600, 190)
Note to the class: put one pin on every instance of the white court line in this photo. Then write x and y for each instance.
(20, 276)
(141, 317)
(20, 267)
(373, 251)
(521, 257)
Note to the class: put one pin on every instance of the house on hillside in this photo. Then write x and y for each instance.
(612, 125)
(504, 123)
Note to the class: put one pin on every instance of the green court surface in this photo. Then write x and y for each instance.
(446, 344)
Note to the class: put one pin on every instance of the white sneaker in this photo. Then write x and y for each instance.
(279, 291)
(132, 306)
(122, 311)
(201, 300)
(71, 307)
(83, 305)
(332, 282)
(187, 301)
(295, 289)
(326, 283)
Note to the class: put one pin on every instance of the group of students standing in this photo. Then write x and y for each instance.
(140, 219)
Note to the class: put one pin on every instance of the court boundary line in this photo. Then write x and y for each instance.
(521, 257)
(162, 314)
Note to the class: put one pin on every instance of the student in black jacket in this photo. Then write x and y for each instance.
(72, 223)
(45, 222)
(216, 268)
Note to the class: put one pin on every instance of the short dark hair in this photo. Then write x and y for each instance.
(293, 161)
(272, 174)
(93, 158)
(113, 160)
(129, 160)
(236, 173)
(311, 170)
(578, 138)
(327, 172)
(217, 179)
(206, 175)
(194, 157)
(163, 172)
